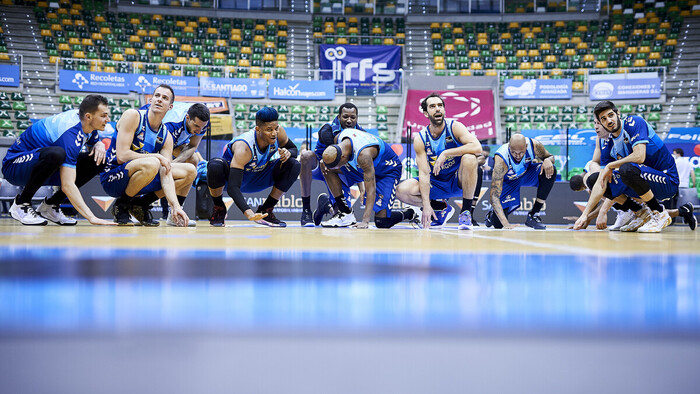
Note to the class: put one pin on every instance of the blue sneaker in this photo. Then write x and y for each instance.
(465, 221)
(443, 216)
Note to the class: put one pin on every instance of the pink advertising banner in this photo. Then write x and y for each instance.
(473, 108)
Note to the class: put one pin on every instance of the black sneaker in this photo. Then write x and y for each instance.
(143, 215)
(474, 223)
(307, 218)
(535, 222)
(121, 215)
(686, 212)
(218, 216)
(270, 219)
(323, 207)
(487, 219)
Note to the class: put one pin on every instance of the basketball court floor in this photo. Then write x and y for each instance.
(251, 309)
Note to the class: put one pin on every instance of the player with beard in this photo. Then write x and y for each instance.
(635, 163)
(520, 162)
(446, 155)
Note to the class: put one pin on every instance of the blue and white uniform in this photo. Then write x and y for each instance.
(175, 120)
(387, 166)
(524, 173)
(115, 177)
(659, 168)
(63, 130)
(446, 184)
(257, 173)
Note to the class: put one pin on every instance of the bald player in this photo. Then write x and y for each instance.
(520, 162)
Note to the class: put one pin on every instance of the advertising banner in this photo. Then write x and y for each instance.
(183, 86)
(687, 139)
(630, 88)
(216, 105)
(361, 67)
(97, 82)
(577, 152)
(473, 108)
(284, 89)
(537, 89)
(232, 87)
(9, 75)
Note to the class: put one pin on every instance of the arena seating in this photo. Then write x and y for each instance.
(365, 31)
(13, 114)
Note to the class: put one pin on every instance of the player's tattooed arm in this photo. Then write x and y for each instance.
(546, 158)
(499, 172)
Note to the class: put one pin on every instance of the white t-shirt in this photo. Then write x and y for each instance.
(684, 169)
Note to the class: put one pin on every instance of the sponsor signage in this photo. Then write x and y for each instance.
(98, 82)
(537, 89)
(361, 68)
(473, 108)
(145, 83)
(215, 104)
(9, 75)
(284, 89)
(577, 152)
(630, 88)
(232, 87)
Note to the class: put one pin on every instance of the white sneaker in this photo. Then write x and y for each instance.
(641, 217)
(25, 214)
(54, 214)
(623, 218)
(169, 221)
(658, 221)
(340, 219)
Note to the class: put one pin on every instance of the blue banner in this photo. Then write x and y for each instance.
(537, 89)
(183, 86)
(362, 67)
(98, 82)
(630, 88)
(232, 87)
(9, 75)
(284, 89)
(581, 144)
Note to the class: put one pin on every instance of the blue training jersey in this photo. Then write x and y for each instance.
(63, 130)
(146, 140)
(259, 159)
(636, 130)
(336, 128)
(435, 146)
(175, 120)
(516, 170)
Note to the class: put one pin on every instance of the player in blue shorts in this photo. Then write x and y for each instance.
(364, 157)
(253, 161)
(312, 169)
(49, 153)
(520, 162)
(139, 167)
(635, 163)
(446, 155)
(187, 123)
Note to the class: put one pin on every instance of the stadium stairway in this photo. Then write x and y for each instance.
(23, 38)
(682, 80)
(419, 60)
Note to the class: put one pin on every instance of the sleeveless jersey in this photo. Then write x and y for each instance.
(175, 120)
(146, 140)
(260, 159)
(516, 170)
(63, 130)
(434, 147)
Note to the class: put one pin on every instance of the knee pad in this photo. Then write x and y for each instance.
(382, 222)
(53, 155)
(629, 171)
(591, 180)
(217, 172)
(287, 174)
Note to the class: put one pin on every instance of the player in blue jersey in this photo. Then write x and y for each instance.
(187, 123)
(446, 155)
(49, 153)
(520, 162)
(139, 169)
(635, 163)
(253, 161)
(313, 168)
(362, 156)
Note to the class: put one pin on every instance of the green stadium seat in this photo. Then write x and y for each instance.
(21, 115)
(19, 106)
(66, 107)
(509, 110)
(4, 114)
(240, 108)
(17, 96)
(311, 109)
(626, 109)
(6, 124)
(283, 109)
(381, 109)
(65, 99)
(5, 105)
(23, 124)
(296, 109)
